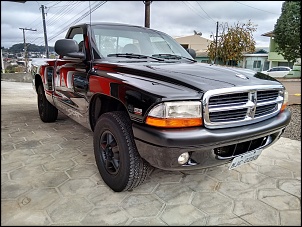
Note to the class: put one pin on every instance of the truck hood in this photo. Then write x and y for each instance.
(197, 76)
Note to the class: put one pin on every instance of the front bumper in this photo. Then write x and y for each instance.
(162, 147)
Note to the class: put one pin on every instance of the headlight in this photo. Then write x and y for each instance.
(285, 99)
(175, 114)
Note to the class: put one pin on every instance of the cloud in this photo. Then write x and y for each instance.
(176, 18)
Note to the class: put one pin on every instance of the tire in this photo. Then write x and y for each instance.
(47, 112)
(116, 155)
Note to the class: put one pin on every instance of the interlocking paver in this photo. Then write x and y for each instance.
(291, 186)
(174, 194)
(65, 153)
(290, 217)
(69, 209)
(84, 158)
(225, 219)
(272, 154)
(222, 173)
(82, 171)
(59, 165)
(13, 140)
(27, 218)
(105, 216)
(8, 146)
(7, 166)
(184, 214)
(38, 199)
(77, 187)
(18, 155)
(46, 148)
(54, 140)
(210, 202)
(248, 168)
(104, 196)
(279, 199)
(293, 166)
(38, 159)
(256, 212)
(252, 178)
(72, 144)
(147, 222)
(141, 205)
(237, 190)
(11, 190)
(200, 183)
(49, 177)
(162, 176)
(26, 173)
(275, 171)
(28, 144)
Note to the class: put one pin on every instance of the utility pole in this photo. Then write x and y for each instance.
(2, 63)
(216, 37)
(45, 33)
(147, 13)
(25, 47)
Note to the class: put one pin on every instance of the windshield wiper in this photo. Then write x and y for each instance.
(139, 56)
(172, 56)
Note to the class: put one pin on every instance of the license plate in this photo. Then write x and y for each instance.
(245, 158)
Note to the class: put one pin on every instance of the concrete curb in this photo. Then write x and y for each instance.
(17, 77)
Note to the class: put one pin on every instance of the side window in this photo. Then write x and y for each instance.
(78, 35)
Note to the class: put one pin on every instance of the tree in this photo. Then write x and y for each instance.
(287, 31)
(233, 42)
(17, 48)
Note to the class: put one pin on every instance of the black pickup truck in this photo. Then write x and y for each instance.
(150, 104)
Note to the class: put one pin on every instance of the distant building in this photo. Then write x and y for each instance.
(197, 43)
(274, 58)
(257, 61)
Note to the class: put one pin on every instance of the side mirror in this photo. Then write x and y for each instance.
(68, 47)
(192, 52)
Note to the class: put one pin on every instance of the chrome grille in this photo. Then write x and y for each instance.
(238, 98)
(263, 110)
(229, 107)
(231, 115)
(267, 95)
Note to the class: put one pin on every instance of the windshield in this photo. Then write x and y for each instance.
(114, 40)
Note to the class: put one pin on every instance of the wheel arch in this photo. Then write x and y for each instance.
(101, 104)
(38, 81)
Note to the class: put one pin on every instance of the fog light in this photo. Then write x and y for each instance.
(183, 158)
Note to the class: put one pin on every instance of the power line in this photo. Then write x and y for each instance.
(78, 19)
(56, 17)
(256, 8)
(205, 11)
(54, 4)
(192, 9)
(75, 21)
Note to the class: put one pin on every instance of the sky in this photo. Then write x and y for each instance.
(176, 18)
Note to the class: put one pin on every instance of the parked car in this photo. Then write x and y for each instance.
(278, 71)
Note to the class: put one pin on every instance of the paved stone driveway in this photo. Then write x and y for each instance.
(49, 177)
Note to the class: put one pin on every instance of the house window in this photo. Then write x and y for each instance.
(257, 64)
